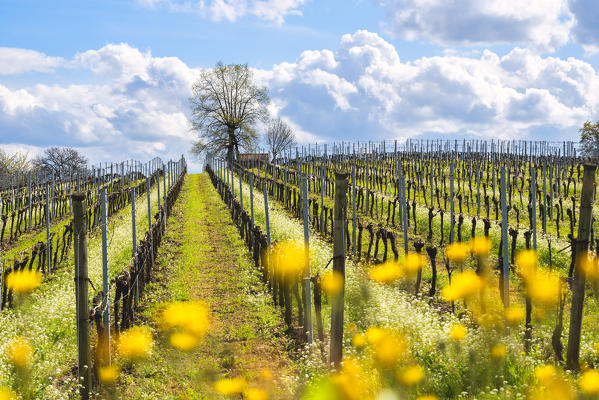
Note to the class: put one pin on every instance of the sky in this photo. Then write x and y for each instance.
(112, 78)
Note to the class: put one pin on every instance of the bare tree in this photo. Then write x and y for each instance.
(13, 163)
(279, 137)
(58, 160)
(226, 105)
(589, 140)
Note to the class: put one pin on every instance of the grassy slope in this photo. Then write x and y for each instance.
(202, 257)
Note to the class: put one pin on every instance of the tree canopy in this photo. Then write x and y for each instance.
(13, 163)
(58, 160)
(226, 105)
(589, 140)
(279, 137)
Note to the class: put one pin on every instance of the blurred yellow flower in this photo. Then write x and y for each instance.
(255, 394)
(588, 264)
(184, 341)
(24, 281)
(388, 349)
(266, 375)
(387, 272)
(135, 343)
(20, 352)
(193, 317)
(514, 314)
(7, 394)
(542, 287)
(498, 351)
(108, 374)
(359, 340)
(350, 381)
(411, 375)
(457, 252)
(331, 282)
(427, 397)
(480, 246)
(589, 382)
(230, 386)
(462, 286)
(289, 260)
(413, 262)
(457, 332)
(545, 373)
(526, 260)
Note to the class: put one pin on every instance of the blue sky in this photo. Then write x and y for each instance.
(112, 78)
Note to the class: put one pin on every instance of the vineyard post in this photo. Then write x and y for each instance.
(307, 274)
(323, 172)
(165, 191)
(252, 196)
(267, 220)
(353, 199)
(582, 245)
(48, 238)
(533, 206)
(504, 239)
(545, 198)
(82, 295)
(367, 173)
(452, 211)
(337, 303)
(240, 188)
(105, 281)
(134, 241)
(404, 206)
(478, 162)
(148, 186)
(29, 228)
(158, 188)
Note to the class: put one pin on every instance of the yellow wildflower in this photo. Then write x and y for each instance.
(427, 397)
(24, 281)
(332, 282)
(358, 340)
(193, 317)
(289, 260)
(589, 382)
(411, 375)
(462, 286)
(457, 332)
(108, 374)
(413, 262)
(374, 334)
(588, 264)
(350, 381)
(514, 314)
(543, 287)
(527, 261)
(545, 374)
(230, 386)
(135, 343)
(255, 394)
(184, 341)
(480, 246)
(498, 351)
(20, 352)
(7, 394)
(457, 252)
(387, 272)
(388, 349)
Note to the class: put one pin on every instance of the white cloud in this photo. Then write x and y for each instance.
(17, 61)
(231, 10)
(541, 24)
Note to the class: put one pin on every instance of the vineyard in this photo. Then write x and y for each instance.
(424, 270)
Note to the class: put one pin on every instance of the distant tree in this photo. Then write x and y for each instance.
(226, 105)
(279, 137)
(59, 160)
(589, 140)
(13, 163)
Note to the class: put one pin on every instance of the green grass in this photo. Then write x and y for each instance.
(202, 257)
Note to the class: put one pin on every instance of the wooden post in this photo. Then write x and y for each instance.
(252, 196)
(353, 200)
(582, 245)
(134, 241)
(81, 293)
(307, 274)
(105, 278)
(505, 239)
(336, 350)
(451, 190)
(48, 238)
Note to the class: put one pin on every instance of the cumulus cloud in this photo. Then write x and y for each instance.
(541, 24)
(138, 110)
(363, 91)
(17, 61)
(231, 10)
(586, 30)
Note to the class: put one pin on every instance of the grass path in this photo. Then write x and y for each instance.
(202, 257)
